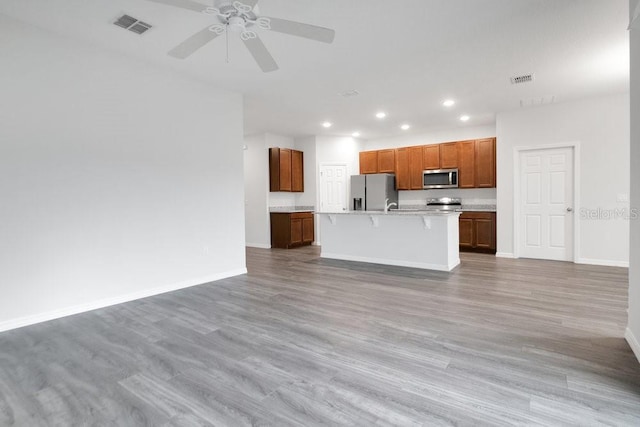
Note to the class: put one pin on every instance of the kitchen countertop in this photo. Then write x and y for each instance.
(291, 209)
(395, 212)
(463, 208)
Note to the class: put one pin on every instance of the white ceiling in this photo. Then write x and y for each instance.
(403, 56)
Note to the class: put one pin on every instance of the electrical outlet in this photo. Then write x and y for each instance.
(205, 250)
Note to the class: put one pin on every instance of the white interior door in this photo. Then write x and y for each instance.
(333, 188)
(546, 204)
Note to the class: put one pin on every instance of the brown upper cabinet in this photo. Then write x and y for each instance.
(403, 177)
(386, 161)
(486, 163)
(297, 171)
(368, 162)
(449, 155)
(466, 164)
(415, 168)
(474, 159)
(431, 157)
(286, 170)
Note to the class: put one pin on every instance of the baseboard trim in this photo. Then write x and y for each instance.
(258, 245)
(633, 342)
(397, 263)
(602, 262)
(94, 305)
(505, 255)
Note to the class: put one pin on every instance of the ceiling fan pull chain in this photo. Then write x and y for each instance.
(226, 36)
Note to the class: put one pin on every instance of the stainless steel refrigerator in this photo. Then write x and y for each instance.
(369, 192)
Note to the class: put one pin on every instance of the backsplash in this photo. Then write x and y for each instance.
(469, 196)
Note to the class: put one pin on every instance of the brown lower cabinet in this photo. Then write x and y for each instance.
(478, 232)
(289, 230)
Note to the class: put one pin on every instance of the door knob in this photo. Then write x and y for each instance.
(569, 209)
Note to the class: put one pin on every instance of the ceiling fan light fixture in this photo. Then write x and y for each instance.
(218, 29)
(241, 7)
(211, 11)
(263, 23)
(237, 24)
(248, 35)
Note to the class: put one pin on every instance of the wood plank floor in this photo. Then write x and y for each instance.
(306, 341)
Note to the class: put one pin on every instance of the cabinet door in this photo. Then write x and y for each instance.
(296, 231)
(466, 230)
(431, 157)
(285, 169)
(449, 155)
(467, 169)
(415, 168)
(486, 163)
(274, 169)
(386, 161)
(297, 171)
(484, 233)
(368, 162)
(307, 229)
(403, 179)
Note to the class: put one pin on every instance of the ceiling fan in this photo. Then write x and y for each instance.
(241, 17)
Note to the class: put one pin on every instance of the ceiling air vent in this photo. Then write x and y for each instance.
(526, 78)
(132, 24)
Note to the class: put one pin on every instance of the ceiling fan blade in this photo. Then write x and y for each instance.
(193, 43)
(183, 4)
(299, 29)
(260, 53)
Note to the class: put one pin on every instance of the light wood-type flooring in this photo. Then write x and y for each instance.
(307, 341)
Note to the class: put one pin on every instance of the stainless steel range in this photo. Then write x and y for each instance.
(444, 204)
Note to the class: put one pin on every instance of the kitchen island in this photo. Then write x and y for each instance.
(418, 239)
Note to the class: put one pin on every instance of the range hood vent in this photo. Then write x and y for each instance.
(132, 24)
(525, 78)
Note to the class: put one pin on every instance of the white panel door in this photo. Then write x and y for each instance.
(333, 188)
(546, 204)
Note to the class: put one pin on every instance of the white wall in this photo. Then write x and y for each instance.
(118, 180)
(256, 184)
(601, 127)
(435, 137)
(308, 147)
(633, 330)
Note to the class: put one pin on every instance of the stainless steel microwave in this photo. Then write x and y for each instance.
(440, 178)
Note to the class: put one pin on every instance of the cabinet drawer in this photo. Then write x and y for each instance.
(301, 215)
(477, 215)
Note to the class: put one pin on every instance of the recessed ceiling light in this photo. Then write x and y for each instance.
(327, 124)
(381, 115)
(405, 127)
(355, 134)
(465, 118)
(449, 103)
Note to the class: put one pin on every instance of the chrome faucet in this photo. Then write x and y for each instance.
(387, 205)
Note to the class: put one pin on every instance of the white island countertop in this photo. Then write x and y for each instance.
(418, 239)
(401, 212)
